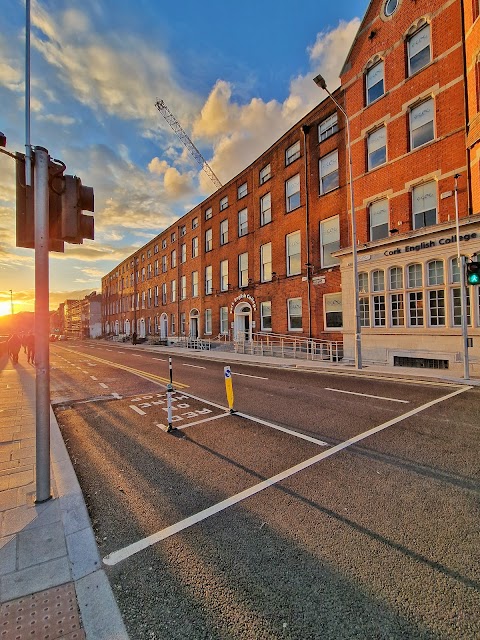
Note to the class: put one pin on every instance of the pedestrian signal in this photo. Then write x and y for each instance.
(473, 273)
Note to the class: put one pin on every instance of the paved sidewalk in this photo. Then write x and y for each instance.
(52, 584)
(301, 364)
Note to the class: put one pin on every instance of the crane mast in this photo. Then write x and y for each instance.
(192, 149)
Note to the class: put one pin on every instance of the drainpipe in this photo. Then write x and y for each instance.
(305, 130)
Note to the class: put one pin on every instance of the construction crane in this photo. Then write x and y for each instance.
(192, 149)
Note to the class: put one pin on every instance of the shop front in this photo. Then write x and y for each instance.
(410, 299)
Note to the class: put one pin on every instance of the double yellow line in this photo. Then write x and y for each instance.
(136, 372)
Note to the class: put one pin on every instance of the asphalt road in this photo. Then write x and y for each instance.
(327, 507)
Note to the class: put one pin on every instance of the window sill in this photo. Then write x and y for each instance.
(331, 191)
(422, 146)
(415, 73)
(290, 211)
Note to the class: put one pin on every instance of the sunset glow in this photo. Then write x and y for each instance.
(5, 308)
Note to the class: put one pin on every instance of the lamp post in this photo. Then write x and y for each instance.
(11, 302)
(320, 82)
(463, 289)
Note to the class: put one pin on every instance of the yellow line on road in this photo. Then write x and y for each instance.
(137, 372)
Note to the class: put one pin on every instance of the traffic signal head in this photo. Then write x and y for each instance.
(75, 226)
(473, 273)
(25, 210)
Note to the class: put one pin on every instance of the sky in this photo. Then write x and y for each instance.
(236, 77)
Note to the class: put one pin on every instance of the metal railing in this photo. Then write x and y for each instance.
(285, 346)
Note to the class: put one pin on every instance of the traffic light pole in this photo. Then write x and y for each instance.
(463, 290)
(42, 326)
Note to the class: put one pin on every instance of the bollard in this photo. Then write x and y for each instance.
(169, 406)
(170, 370)
(229, 388)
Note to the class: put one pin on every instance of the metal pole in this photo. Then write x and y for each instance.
(358, 341)
(11, 302)
(463, 290)
(305, 130)
(28, 148)
(42, 321)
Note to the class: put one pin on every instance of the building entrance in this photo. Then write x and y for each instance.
(243, 322)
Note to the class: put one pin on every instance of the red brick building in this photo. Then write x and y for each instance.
(271, 251)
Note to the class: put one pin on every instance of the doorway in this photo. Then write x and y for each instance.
(243, 323)
(194, 324)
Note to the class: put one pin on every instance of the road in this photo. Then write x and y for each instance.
(327, 506)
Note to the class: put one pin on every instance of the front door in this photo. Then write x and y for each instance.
(243, 322)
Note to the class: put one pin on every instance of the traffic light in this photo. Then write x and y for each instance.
(25, 215)
(473, 273)
(75, 226)
(67, 198)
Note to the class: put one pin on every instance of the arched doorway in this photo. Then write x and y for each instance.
(127, 327)
(194, 323)
(142, 328)
(243, 322)
(116, 329)
(163, 326)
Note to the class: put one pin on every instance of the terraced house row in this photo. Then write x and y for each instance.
(271, 251)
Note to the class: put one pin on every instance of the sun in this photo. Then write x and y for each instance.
(5, 308)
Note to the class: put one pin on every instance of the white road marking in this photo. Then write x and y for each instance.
(195, 366)
(367, 395)
(102, 384)
(291, 432)
(190, 424)
(85, 372)
(135, 408)
(161, 359)
(137, 355)
(93, 378)
(130, 550)
(246, 375)
(122, 352)
(117, 396)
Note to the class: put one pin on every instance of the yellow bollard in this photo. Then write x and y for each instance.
(229, 388)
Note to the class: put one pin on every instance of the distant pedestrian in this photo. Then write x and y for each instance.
(30, 343)
(14, 343)
(134, 337)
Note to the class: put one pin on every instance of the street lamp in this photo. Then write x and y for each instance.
(320, 82)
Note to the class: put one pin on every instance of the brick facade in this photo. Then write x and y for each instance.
(410, 87)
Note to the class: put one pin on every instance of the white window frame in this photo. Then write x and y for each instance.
(195, 247)
(183, 288)
(242, 222)
(417, 121)
(223, 232)
(195, 222)
(208, 213)
(379, 219)
(332, 299)
(208, 280)
(290, 303)
(223, 203)
(183, 253)
(292, 193)
(328, 127)
(329, 241)
(423, 197)
(292, 241)
(265, 174)
(173, 291)
(242, 191)
(416, 46)
(224, 275)
(266, 262)
(224, 321)
(329, 172)
(243, 270)
(292, 153)
(208, 322)
(208, 240)
(266, 306)
(265, 209)
(194, 284)
(374, 140)
(373, 79)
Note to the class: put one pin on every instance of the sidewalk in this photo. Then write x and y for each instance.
(300, 364)
(52, 584)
